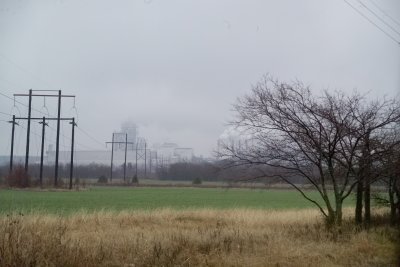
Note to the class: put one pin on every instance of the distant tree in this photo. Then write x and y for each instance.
(197, 181)
(187, 171)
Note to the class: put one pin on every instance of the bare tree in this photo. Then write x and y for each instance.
(298, 134)
(388, 167)
(374, 124)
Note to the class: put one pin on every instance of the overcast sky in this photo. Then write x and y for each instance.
(175, 67)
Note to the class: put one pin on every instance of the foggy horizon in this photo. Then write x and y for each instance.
(175, 68)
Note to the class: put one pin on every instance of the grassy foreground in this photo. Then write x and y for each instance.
(128, 198)
(207, 237)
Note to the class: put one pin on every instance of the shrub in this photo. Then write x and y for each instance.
(19, 178)
(197, 180)
(135, 180)
(102, 180)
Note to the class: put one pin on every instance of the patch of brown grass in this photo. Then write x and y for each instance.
(190, 238)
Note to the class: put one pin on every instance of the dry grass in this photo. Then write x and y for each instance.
(190, 238)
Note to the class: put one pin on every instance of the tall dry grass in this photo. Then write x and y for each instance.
(190, 238)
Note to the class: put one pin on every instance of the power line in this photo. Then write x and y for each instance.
(35, 133)
(25, 70)
(79, 128)
(7, 147)
(81, 145)
(372, 22)
(17, 144)
(88, 135)
(85, 132)
(385, 13)
(36, 140)
(376, 15)
(63, 135)
(16, 101)
(23, 127)
(12, 83)
(25, 105)
(1, 112)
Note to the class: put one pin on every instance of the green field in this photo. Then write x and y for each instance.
(128, 198)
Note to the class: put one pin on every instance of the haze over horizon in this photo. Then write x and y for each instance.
(176, 67)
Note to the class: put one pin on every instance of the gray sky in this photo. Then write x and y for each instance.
(175, 67)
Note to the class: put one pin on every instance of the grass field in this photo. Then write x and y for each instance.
(197, 237)
(130, 198)
(139, 226)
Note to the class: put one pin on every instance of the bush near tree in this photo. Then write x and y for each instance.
(19, 178)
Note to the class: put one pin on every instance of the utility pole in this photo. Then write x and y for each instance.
(142, 154)
(150, 161)
(28, 130)
(136, 157)
(57, 139)
(112, 152)
(44, 124)
(43, 121)
(156, 161)
(145, 160)
(112, 157)
(71, 170)
(12, 142)
(126, 150)
(59, 96)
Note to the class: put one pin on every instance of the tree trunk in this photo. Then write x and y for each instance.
(367, 201)
(398, 213)
(359, 202)
(367, 181)
(397, 206)
(393, 208)
(339, 213)
(334, 218)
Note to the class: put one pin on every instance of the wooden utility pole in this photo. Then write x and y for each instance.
(112, 157)
(12, 142)
(43, 121)
(145, 160)
(126, 150)
(150, 158)
(44, 124)
(57, 139)
(112, 153)
(59, 96)
(28, 130)
(71, 170)
(136, 158)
